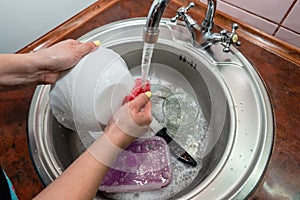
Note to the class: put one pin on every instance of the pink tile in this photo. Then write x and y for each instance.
(289, 36)
(248, 18)
(292, 20)
(273, 10)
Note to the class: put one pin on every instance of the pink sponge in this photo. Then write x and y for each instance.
(137, 89)
(142, 166)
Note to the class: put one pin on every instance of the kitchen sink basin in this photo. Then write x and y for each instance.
(233, 99)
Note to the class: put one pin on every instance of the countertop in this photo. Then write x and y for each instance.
(277, 63)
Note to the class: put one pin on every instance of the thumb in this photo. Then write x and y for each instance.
(138, 104)
(87, 47)
(140, 109)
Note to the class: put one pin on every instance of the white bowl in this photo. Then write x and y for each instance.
(87, 95)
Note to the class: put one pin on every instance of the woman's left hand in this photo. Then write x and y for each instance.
(43, 66)
(62, 56)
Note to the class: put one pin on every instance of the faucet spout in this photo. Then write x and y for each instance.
(151, 29)
(208, 21)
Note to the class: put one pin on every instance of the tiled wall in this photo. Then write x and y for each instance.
(280, 18)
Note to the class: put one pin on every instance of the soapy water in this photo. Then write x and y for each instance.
(182, 177)
(191, 138)
(180, 110)
(191, 135)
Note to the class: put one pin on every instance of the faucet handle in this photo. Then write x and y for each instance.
(182, 14)
(231, 38)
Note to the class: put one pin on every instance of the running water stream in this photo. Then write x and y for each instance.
(146, 61)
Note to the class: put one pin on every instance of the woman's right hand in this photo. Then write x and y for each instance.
(130, 121)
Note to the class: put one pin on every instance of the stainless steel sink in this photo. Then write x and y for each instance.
(230, 92)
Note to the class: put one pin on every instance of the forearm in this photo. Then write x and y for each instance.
(80, 180)
(19, 70)
(43, 66)
(83, 177)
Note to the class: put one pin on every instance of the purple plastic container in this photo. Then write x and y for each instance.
(143, 165)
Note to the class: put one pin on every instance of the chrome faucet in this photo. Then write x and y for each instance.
(151, 29)
(202, 35)
(208, 21)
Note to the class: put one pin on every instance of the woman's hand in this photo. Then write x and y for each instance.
(43, 66)
(62, 56)
(130, 121)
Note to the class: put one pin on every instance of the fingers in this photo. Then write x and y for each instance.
(141, 110)
(82, 47)
(139, 102)
(71, 42)
(87, 47)
(144, 117)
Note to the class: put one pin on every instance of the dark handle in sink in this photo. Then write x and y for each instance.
(175, 149)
